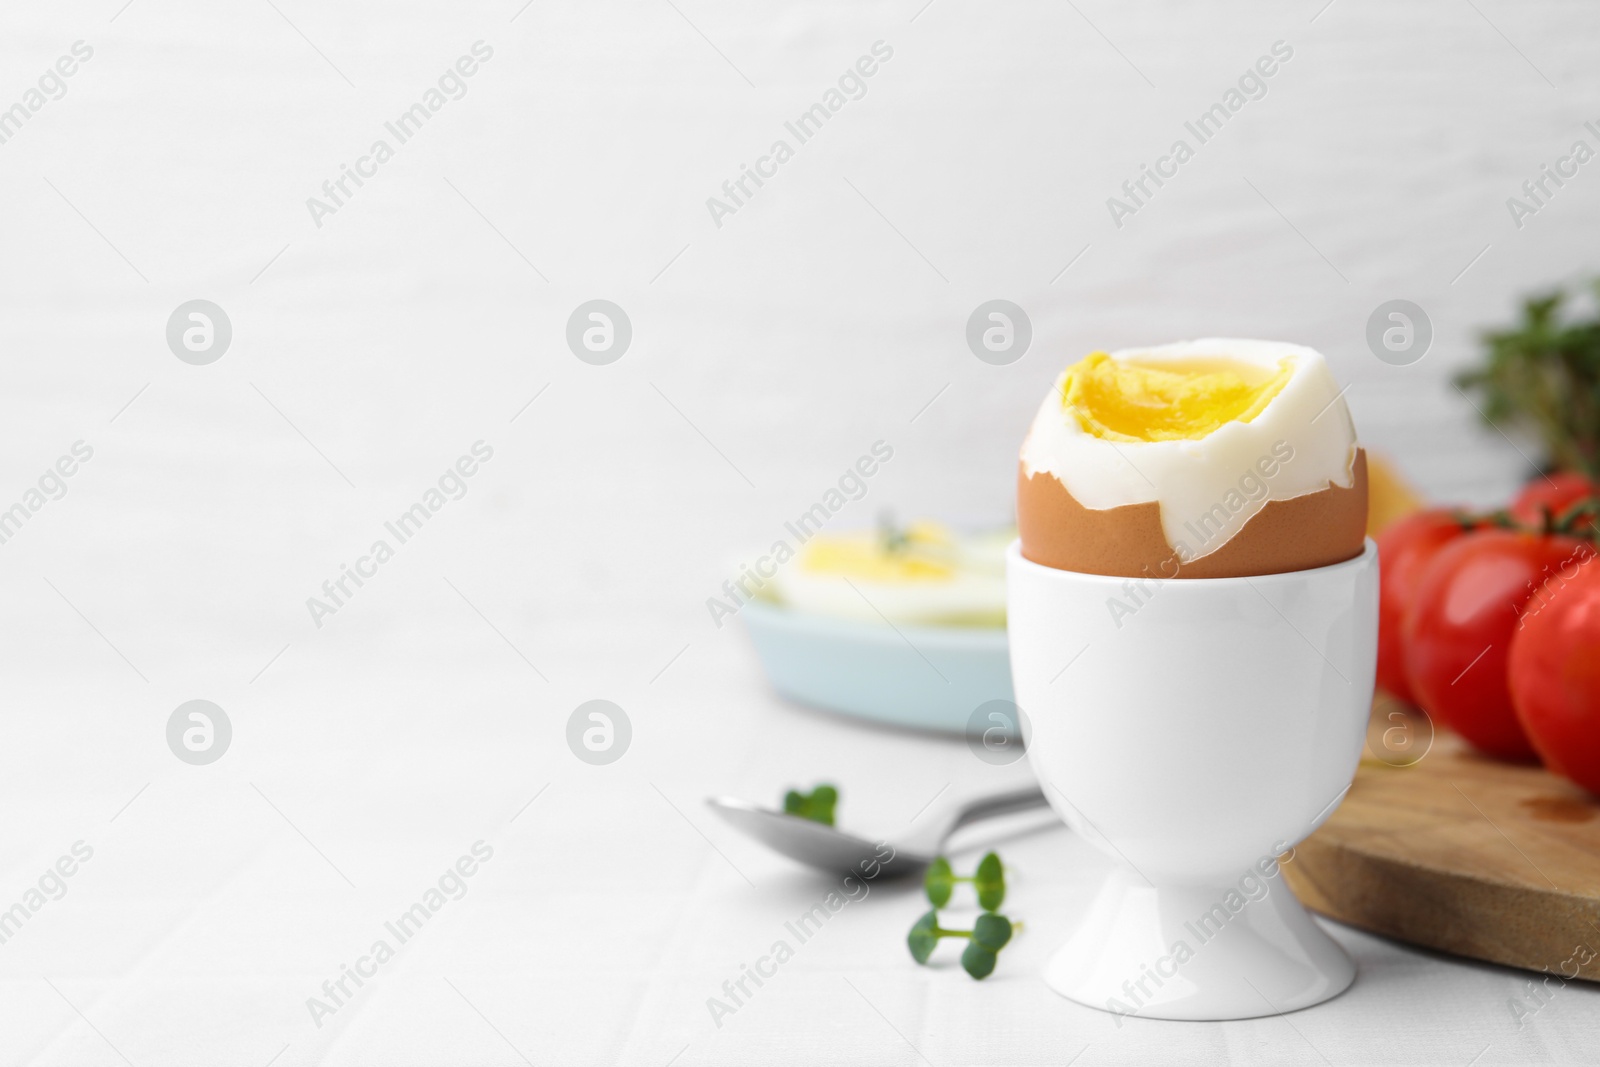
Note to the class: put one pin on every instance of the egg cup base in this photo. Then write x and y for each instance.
(1178, 952)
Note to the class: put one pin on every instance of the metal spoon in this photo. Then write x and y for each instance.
(825, 848)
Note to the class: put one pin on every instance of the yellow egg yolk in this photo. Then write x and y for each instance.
(1181, 400)
(925, 554)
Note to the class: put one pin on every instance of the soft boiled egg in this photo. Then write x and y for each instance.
(1203, 459)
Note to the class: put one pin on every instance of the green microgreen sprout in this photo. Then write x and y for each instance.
(991, 933)
(891, 535)
(939, 881)
(988, 880)
(816, 805)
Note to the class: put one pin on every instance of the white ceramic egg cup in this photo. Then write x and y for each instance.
(1193, 730)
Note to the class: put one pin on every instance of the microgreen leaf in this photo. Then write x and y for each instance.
(989, 934)
(823, 799)
(978, 961)
(939, 882)
(992, 931)
(890, 535)
(990, 882)
(816, 805)
(924, 937)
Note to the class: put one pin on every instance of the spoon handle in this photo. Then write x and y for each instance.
(991, 806)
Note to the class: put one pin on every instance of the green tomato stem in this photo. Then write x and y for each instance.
(1579, 520)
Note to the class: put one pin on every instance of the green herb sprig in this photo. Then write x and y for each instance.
(989, 880)
(816, 805)
(989, 934)
(1543, 375)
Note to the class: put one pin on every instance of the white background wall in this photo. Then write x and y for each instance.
(793, 336)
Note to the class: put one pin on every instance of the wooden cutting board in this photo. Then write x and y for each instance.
(1441, 847)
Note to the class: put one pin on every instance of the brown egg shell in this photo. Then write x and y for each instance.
(1314, 530)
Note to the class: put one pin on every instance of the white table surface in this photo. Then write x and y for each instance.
(429, 712)
(614, 906)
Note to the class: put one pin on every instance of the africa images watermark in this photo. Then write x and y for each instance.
(736, 192)
(51, 885)
(1252, 85)
(852, 485)
(1553, 579)
(1537, 192)
(1206, 527)
(51, 82)
(1253, 886)
(803, 928)
(1534, 997)
(451, 885)
(405, 126)
(336, 592)
(52, 485)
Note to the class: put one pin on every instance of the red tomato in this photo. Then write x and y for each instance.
(1555, 491)
(1404, 551)
(1555, 674)
(1458, 631)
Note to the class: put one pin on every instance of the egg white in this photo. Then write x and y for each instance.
(1190, 479)
(973, 594)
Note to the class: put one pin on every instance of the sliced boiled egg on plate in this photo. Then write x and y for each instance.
(923, 573)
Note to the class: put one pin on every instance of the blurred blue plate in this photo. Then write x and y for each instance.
(922, 677)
